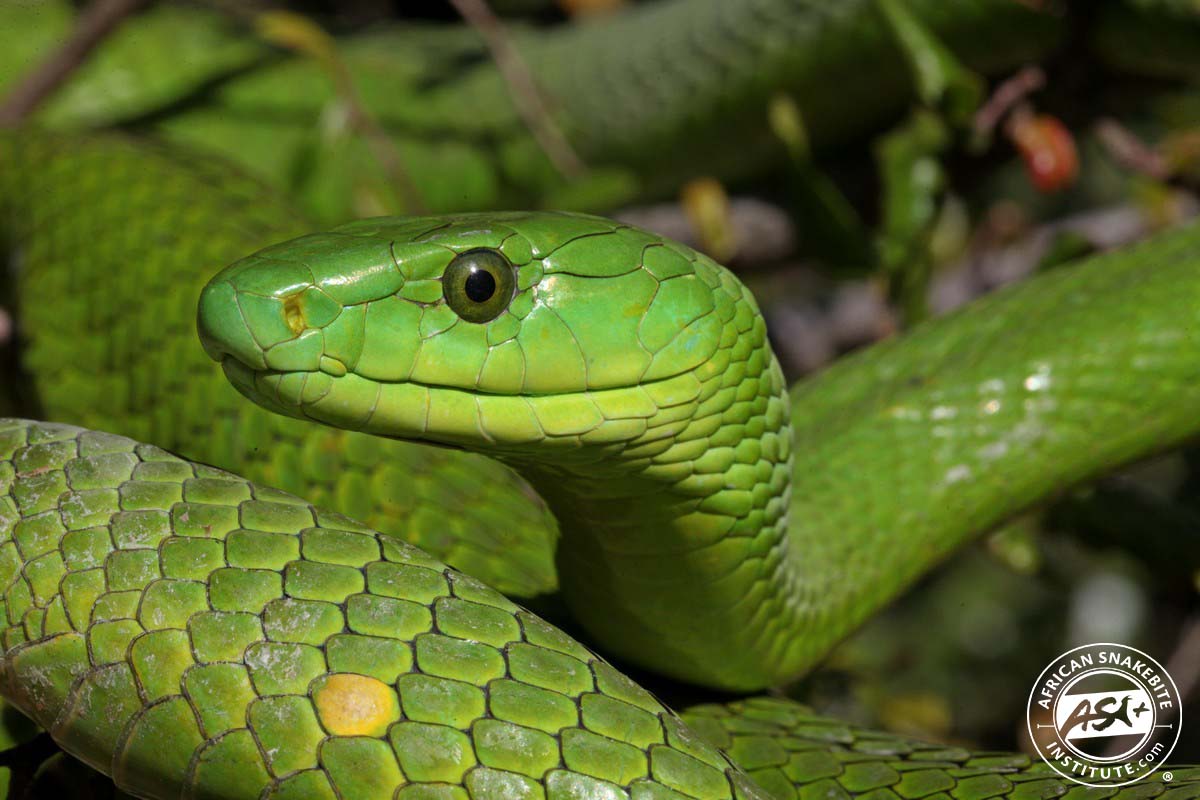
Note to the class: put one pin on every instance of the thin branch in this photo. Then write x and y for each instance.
(1130, 151)
(96, 22)
(528, 98)
(382, 146)
(1007, 95)
(300, 34)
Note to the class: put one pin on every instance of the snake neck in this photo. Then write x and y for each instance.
(670, 537)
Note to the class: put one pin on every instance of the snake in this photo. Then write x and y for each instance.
(193, 633)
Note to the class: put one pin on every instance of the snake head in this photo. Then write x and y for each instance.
(487, 331)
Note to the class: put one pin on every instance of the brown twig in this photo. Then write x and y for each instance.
(528, 98)
(382, 146)
(298, 33)
(1007, 95)
(96, 22)
(1130, 151)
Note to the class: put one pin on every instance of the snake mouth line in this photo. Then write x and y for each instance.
(243, 375)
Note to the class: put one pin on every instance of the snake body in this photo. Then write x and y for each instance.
(195, 634)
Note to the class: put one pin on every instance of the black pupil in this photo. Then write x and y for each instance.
(480, 285)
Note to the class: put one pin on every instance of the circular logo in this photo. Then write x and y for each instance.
(1104, 715)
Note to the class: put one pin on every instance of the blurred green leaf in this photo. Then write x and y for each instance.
(941, 79)
(831, 228)
(913, 179)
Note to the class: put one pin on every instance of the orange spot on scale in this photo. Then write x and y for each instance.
(355, 705)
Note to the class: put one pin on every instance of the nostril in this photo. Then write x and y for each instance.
(222, 328)
(293, 313)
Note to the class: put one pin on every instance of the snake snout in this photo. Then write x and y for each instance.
(258, 317)
(224, 330)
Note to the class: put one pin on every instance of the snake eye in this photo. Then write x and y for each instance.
(479, 284)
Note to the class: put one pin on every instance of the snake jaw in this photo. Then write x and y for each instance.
(247, 380)
(240, 375)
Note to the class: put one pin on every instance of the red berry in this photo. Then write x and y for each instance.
(1048, 150)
